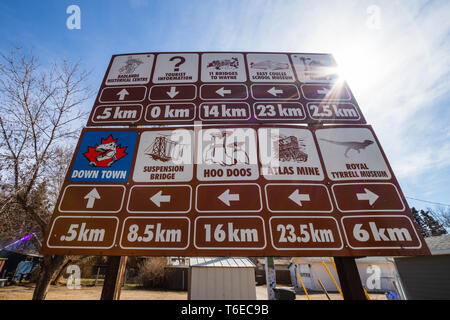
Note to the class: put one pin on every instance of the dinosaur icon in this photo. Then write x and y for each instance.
(351, 145)
(108, 151)
(130, 66)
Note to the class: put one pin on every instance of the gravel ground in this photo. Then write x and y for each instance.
(61, 292)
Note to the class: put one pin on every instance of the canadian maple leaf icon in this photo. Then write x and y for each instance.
(106, 153)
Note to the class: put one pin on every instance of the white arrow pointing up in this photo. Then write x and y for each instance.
(367, 195)
(91, 196)
(222, 91)
(172, 93)
(159, 197)
(274, 91)
(122, 93)
(298, 197)
(226, 197)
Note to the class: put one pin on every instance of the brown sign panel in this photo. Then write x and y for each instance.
(120, 114)
(151, 233)
(83, 232)
(230, 233)
(254, 190)
(245, 87)
(171, 93)
(92, 198)
(381, 232)
(305, 233)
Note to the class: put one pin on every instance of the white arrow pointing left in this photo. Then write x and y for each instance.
(122, 93)
(226, 197)
(367, 195)
(159, 197)
(298, 197)
(274, 91)
(222, 91)
(91, 196)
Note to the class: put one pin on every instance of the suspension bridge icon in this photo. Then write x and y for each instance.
(165, 149)
(289, 148)
(223, 152)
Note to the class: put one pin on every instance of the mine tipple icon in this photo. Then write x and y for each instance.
(164, 149)
(130, 65)
(105, 154)
(224, 152)
(289, 148)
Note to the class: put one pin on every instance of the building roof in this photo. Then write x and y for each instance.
(365, 259)
(221, 262)
(276, 261)
(439, 244)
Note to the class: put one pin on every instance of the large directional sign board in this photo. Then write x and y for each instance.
(229, 154)
(240, 190)
(223, 88)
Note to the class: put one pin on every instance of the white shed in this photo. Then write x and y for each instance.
(221, 279)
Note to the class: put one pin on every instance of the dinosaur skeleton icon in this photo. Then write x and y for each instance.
(289, 148)
(224, 153)
(130, 65)
(351, 145)
(165, 149)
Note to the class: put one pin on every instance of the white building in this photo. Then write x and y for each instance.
(377, 274)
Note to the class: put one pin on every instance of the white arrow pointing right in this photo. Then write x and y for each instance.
(222, 92)
(91, 196)
(122, 93)
(367, 195)
(298, 197)
(226, 197)
(324, 91)
(274, 91)
(159, 197)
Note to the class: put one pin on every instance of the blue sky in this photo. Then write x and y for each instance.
(397, 65)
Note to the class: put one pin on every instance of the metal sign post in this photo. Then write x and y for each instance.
(351, 285)
(114, 278)
(271, 278)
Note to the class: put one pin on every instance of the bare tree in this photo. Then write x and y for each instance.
(40, 115)
(443, 215)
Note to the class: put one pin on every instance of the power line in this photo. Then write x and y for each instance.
(438, 203)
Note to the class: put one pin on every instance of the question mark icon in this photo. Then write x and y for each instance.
(179, 63)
